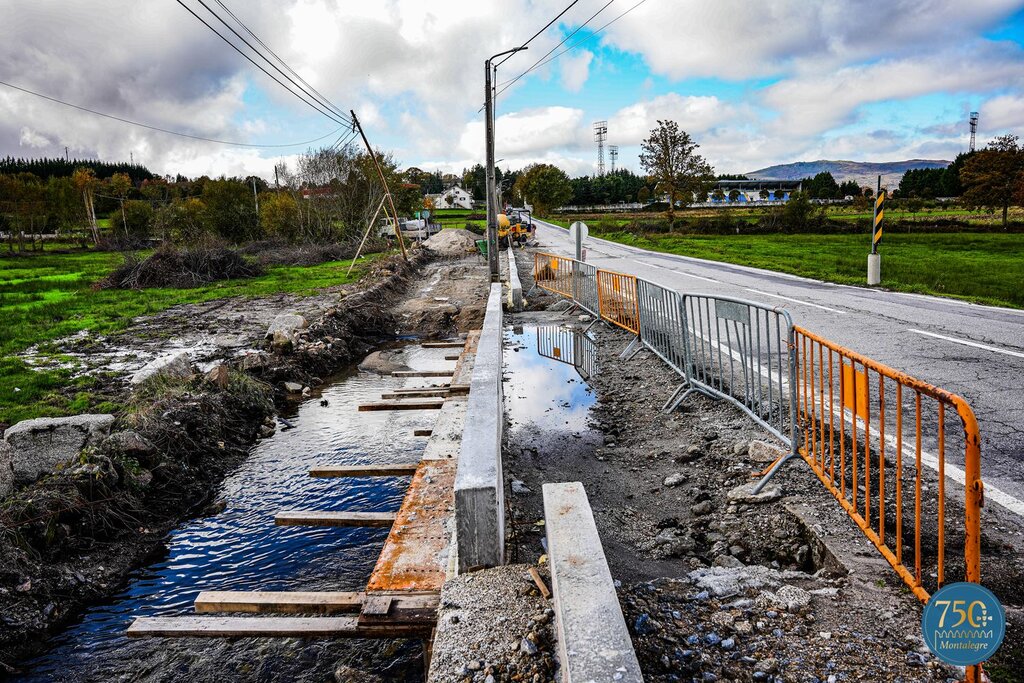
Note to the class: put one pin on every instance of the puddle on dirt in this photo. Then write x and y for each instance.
(241, 549)
(547, 368)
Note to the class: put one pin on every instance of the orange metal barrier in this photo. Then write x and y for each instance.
(617, 298)
(553, 273)
(859, 419)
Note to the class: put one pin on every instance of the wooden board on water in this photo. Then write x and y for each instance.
(323, 602)
(276, 627)
(333, 518)
(397, 469)
(419, 393)
(422, 432)
(444, 344)
(404, 404)
(421, 373)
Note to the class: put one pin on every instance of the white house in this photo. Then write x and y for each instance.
(453, 198)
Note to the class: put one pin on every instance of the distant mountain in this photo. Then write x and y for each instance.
(864, 172)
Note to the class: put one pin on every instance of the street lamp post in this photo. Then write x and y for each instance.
(492, 208)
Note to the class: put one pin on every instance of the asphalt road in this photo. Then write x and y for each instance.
(974, 351)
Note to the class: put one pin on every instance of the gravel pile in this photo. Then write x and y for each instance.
(493, 626)
(752, 626)
(452, 242)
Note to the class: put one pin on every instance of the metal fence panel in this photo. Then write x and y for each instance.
(662, 324)
(553, 273)
(743, 351)
(618, 300)
(585, 288)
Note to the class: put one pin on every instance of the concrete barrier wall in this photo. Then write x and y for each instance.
(515, 287)
(593, 641)
(479, 488)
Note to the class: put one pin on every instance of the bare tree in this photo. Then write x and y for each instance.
(669, 156)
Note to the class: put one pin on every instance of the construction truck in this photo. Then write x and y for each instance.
(515, 226)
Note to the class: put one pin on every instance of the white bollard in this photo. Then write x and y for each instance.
(874, 269)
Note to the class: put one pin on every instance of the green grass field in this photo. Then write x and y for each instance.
(985, 268)
(48, 296)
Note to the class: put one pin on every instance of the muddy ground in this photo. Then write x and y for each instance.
(72, 538)
(659, 484)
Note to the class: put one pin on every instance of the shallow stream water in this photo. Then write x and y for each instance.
(239, 548)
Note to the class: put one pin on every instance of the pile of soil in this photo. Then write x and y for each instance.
(452, 242)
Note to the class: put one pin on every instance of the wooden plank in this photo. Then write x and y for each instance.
(376, 605)
(333, 518)
(273, 627)
(538, 581)
(444, 344)
(422, 432)
(397, 469)
(404, 607)
(423, 393)
(452, 357)
(404, 404)
(412, 391)
(327, 602)
(421, 373)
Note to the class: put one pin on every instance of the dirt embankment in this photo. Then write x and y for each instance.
(703, 573)
(73, 537)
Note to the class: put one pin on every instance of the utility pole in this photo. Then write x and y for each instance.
(255, 198)
(66, 154)
(492, 208)
(384, 182)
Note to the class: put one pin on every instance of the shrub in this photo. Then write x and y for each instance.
(184, 268)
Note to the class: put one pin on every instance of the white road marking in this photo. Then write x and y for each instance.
(796, 301)
(965, 342)
(699, 277)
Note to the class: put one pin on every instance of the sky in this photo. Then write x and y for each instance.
(754, 83)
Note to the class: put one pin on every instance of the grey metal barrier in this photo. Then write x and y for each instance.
(570, 346)
(662, 323)
(744, 352)
(584, 288)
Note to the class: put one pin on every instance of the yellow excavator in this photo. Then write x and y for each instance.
(515, 227)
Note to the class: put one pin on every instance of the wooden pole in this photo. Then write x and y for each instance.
(384, 182)
(365, 235)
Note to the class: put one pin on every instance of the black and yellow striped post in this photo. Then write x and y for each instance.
(874, 258)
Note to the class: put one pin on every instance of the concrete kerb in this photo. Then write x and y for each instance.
(593, 641)
(515, 287)
(479, 489)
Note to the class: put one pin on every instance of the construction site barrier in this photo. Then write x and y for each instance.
(743, 352)
(553, 273)
(863, 422)
(662, 323)
(617, 296)
(584, 288)
(567, 345)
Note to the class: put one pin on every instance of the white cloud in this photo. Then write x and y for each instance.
(1002, 113)
(30, 138)
(694, 114)
(576, 70)
(525, 133)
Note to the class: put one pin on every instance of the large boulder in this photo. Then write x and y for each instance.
(384, 362)
(6, 469)
(287, 325)
(41, 444)
(176, 366)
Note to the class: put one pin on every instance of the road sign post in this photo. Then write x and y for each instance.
(578, 232)
(874, 258)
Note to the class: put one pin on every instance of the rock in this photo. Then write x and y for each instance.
(128, 442)
(286, 326)
(674, 479)
(701, 509)
(793, 599)
(519, 487)
(527, 647)
(674, 542)
(41, 444)
(740, 448)
(292, 387)
(726, 561)
(254, 360)
(383, 362)
(175, 366)
(760, 451)
(346, 674)
(6, 469)
(217, 376)
(745, 494)
(560, 305)
(643, 625)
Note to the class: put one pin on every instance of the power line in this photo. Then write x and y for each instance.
(543, 62)
(574, 32)
(292, 71)
(166, 130)
(546, 27)
(237, 49)
(592, 35)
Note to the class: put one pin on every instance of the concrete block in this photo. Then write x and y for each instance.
(39, 445)
(515, 287)
(593, 641)
(479, 484)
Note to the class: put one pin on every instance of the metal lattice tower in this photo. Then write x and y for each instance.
(600, 135)
(613, 154)
(974, 127)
